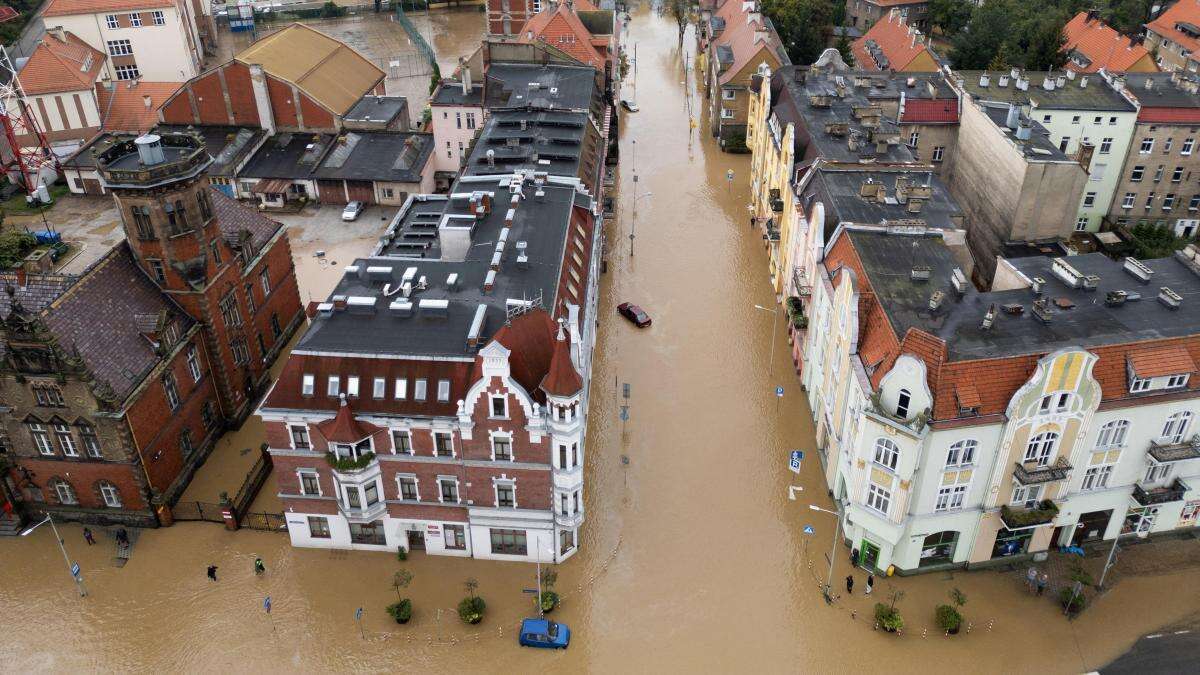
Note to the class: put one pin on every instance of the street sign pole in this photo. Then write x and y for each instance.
(358, 618)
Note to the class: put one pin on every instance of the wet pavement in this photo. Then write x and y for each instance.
(692, 556)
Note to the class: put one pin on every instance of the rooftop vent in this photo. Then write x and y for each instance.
(921, 272)
(489, 281)
(150, 150)
(1024, 130)
(1003, 81)
(984, 80)
(1115, 298)
(1091, 282)
(434, 308)
(1169, 298)
(351, 269)
(1067, 272)
(1038, 284)
(379, 273)
(495, 261)
(1042, 311)
(935, 300)
(410, 273)
(476, 331)
(401, 308)
(989, 318)
(1013, 308)
(361, 304)
(1138, 270)
(452, 281)
(959, 281)
(325, 309)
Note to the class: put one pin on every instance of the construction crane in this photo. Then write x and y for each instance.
(27, 161)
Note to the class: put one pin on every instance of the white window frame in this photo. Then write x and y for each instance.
(1139, 384)
(510, 482)
(121, 47)
(726, 113)
(728, 94)
(405, 433)
(951, 497)
(1041, 447)
(1177, 381)
(110, 21)
(416, 482)
(1147, 146)
(401, 388)
(301, 474)
(303, 429)
(135, 20)
(110, 495)
(334, 386)
(442, 480)
(1128, 200)
(1081, 224)
(1176, 427)
(41, 438)
(887, 453)
(420, 389)
(443, 390)
(1089, 199)
(903, 403)
(1186, 147)
(307, 384)
(1106, 145)
(352, 386)
(878, 498)
(1026, 496)
(1096, 477)
(506, 438)
(127, 72)
(1112, 435)
(961, 453)
(503, 405)
(193, 363)
(453, 451)
(379, 388)
(160, 19)
(1157, 473)
(938, 152)
(66, 441)
(65, 492)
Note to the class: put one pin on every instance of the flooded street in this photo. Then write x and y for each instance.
(692, 556)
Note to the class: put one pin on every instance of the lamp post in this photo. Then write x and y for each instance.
(774, 330)
(832, 550)
(62, 547)
(1112, 552)
(633, 225)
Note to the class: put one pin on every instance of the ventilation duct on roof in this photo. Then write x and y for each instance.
(475, 334)
(360, 304)
(989, 318)
(1138, 270)
(434, 308)
(959, 281)
(401, 308)
(1170, 298)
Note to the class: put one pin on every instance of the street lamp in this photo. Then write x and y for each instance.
(62, 547)
(832, 550)
(774, 330)
(633, 226)
(1112, 552)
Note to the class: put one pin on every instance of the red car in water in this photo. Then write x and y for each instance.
(634, 313)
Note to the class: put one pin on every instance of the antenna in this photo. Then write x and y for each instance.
(18, 120)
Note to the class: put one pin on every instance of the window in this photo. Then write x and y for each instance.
(728, 94)
(1186, 148)
(1089, 199)
(1097, 173)
(141, 221)
(1176, 381)
(1112, 121)
(249, 288)
(1147, 145)
(1040, 448)
(64, 491)
(1081, 223)
(276, 329)
(230, 313)
(300, 437)
(886, 453)
(1058, 402)
(1136, 174)
(1075, 119)
(264, 281)
(1026, 496)
(1045, 119)
(371, 490)
(157, 269)
(1064, 143)
(470, 120)
(1105, 146)
(1177, 174)
(938, 152)
(66, 442)
(419, 387)
(91, 442)
(500, 407)
(401, 388)
(110, 495)
(318, 527)
(950, 498)
(159, 18)
(726, 114)
(408, 488)
(119, 48)
(307, 384)
(41, 439)
(502, 449)
(48, 396)
(448, 488)
(1157, 472)
(456, 537)
(135, 20)
(335, 384)
(185, 442)
(1168, 201)
(1127, 201)
(1167, 145)
(353, 498)
(1112, 434)
(241, 353)
(1176, 427)
(1194, 203)
(903, 400)
(379, 388)
(1158, 173)
(914, 138)
(878, 498)
(110, 20)
(1096, 478)
(443, 390)
(961, 453)
(127, 72)
(506, 495)
(458, 120)
(352, 385)
(443, 445)
(216, 252)
(510, 542)
(168, 382)
(401, 442)
(193, 363)
(309, 483)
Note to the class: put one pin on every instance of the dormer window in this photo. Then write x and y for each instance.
(1055, 403)
(306, 385)
(903, 401)
(1160, 369)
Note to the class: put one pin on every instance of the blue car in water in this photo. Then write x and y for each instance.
(544, 634)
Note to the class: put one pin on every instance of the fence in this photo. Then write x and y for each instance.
(267, 522)
(253, 483)
(198, 511)
(416, 37)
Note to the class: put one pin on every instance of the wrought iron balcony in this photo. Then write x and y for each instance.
(1030, 473)
(1160, 495)
(1017, 518)
(1175, 452)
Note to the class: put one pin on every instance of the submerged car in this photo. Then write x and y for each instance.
(352, 211)
(544, 634)
(629, 106)
(635, 314)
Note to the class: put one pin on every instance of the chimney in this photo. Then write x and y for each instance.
(58, 32)
(1060, 81)
(262, 98)
(984, 80)
(149, 149)
(465, 75)
(989, 318)
(22, 276)
(491, 158)
(1083, 82)
(1149, 83)
(1014, 116)
(147, 101)
(1048, 83)
(1003, 81)
(1024, 130)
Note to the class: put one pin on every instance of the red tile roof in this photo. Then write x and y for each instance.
(1162, 361)
(287, 391)
(930, 111)
(1184, 11)
(125, 107)
(8, 13)
(344, 428)
(72, 7)
(1103, 46)
(892, 36)
(61, 64)
(530, 339)
(746, 35)
(561, 28)
(562, 379)
(1170, 115)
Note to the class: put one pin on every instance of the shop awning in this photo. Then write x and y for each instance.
(271, 186)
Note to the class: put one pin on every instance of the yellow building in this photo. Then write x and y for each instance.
(772, 200)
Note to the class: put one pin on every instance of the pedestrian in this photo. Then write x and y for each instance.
(849, 584)
(1042, 582)
(1031, 577)
(122, 537)
(212, 572)
(87, 535)
(259, 567)
(870, 584)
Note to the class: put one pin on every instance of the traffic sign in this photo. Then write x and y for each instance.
(74, 569)
(624, 413)
(779, 391)
(794, 462)
(808, 529)
(531, 591)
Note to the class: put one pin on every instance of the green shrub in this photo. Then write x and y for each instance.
(948, 618)
(14, 244)
(347, 464)
(888, 618)
(1074, 604)
(401, 611)
(471, 609)
(549, 601)
(402, 554)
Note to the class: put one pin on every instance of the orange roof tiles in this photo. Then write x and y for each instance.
(126, 107)
(1161, 362)
(898, 44)
(967, 395)
(561, 28)
(1184, 11)
(61, 64)
(344, 428)
(72, 7)
(562, 379)
(1104, 47)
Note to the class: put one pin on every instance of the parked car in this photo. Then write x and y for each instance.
(544, 634)
(634, 313)
(352, 211)
(629, 106)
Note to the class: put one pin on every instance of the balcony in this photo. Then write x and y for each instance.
(363, 515)
(1017, 518)
(351, 465)
(1030, 473)
(1175, 452)
(1160, 495)
(568, 520)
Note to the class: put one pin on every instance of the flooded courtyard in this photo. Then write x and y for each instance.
(692, 557)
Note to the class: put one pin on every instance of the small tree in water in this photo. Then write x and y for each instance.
(401, 579)
(681, 11)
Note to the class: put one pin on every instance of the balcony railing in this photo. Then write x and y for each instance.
(1017, 518)
(1030, 473)
(1160, 495)
(1175, 452)
(568, 520)
(364, 515)
(350, 464)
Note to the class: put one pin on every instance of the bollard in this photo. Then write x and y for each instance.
(854, 615)
(990, 622)
(899, 632)
(969, 628)
(947, 633)
(924, 633)
(876, 626)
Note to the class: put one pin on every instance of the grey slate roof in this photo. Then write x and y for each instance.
(382, 156)
(233, 218)
(38, 292)
(450, 92)
(550, 141)
(1163, 93)
(1096, 95)
(840, 192)
(518, 85)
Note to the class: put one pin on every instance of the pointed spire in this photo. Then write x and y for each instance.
(562, 379)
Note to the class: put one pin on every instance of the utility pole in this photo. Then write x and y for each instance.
(72, 568)
(1112, 552)
(832, 551)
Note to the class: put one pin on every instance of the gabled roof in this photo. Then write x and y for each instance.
(1183, 14)
(745, 36)
(1162, 362)
(72, 7)
(1100, 46)
(344, 428)
(330, 72)
(61, 64)
(562, 29)
(125, 107)
(930, 111)
(889, 44)
(530, 339)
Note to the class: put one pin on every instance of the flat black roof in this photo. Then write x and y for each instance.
(841, 193)
(539, 140)
(288, 155)
(380, 156)
(437, 236)
(888, 259)
(450, 92)
(376, 109)
(513, 85)
(1164, 92)
(229, 146)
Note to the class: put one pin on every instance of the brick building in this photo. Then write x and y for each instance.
(116, 384)
(508, 17)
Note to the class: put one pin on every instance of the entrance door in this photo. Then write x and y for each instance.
(1091, 527)
(416, 540)
(868, 555)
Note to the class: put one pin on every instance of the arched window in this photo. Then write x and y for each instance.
(1112, 435)
(903, 401)
(1041, 447)
(110, 494)
(1057, 402)
(962, 453)
(64, 491)
(886, 453)
(1176, 428)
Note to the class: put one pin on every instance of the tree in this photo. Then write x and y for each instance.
(974, 47)
(803, 26)
(843, 47)
(1128, 16)
(681, 11)
(950, 16)
(1045, 40)
(400, 580)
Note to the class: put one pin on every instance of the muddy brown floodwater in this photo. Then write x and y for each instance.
(693, 558)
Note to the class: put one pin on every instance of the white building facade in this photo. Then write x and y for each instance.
(155, 40)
